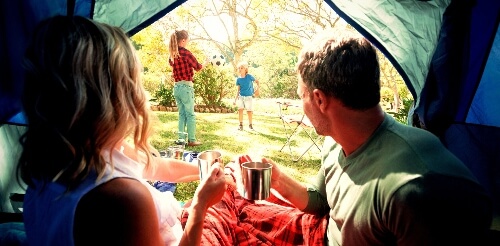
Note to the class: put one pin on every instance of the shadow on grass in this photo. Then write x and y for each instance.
(220, 131)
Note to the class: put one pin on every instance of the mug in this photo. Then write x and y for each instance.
(256, 177)
(205, 161)
(175, 152)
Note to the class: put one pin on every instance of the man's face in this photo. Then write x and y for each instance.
(302, 90)
(303, 93)
(310, 109)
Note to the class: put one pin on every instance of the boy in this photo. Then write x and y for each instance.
(246, 90)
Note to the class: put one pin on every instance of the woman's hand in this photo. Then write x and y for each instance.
(208, 193)
(211, 188)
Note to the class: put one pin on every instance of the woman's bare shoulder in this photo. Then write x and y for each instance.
(120, 210)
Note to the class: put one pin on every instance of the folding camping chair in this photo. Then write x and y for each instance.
(293, 124)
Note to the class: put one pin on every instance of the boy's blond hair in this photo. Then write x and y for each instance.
(244, 65)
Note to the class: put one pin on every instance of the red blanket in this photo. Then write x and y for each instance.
(237, 221)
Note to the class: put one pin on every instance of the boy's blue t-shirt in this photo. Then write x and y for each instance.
(246, 85)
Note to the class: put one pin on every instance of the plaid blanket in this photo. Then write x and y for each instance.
(237, 221)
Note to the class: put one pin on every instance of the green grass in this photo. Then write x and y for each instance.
(220, 132)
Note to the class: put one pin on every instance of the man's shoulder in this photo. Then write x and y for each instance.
(413, 135)
(442, 205)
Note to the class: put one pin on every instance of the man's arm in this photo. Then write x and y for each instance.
(290, 189)
(308, 198)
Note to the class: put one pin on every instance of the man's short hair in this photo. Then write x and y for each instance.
(343, 65)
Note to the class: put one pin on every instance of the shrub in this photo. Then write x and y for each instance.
(151, 82)
(213, 84)
(402, 114)
(164, 95)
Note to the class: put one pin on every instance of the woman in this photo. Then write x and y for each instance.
(86, 154)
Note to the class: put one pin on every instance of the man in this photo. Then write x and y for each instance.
(383, 183)
(380, 182)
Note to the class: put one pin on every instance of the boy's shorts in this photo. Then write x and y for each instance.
(245, 102)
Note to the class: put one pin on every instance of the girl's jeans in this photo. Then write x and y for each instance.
(184, 97)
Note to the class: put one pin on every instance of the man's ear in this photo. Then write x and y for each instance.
(320, 99)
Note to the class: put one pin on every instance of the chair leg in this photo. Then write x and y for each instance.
(314, 143)
(294, 132)
(301, 121)
(303, 153)
(289, 136)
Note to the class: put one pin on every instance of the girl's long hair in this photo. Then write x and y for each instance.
(173, 45)
(82, 96)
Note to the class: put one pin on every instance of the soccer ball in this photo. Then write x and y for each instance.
(217, 60)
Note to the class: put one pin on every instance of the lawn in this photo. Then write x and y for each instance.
(220, 132)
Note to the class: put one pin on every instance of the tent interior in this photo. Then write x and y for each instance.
(447, 51)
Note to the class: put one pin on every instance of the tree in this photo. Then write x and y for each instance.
(229, 27)
(297, 21)
(394, 90)
(294, 22)
(268, 34)
(153, 54)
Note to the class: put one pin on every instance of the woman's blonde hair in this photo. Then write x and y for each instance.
(83, 95)
(173, 46)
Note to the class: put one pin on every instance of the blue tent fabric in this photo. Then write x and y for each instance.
(457, 71)
(18, 19)
(482, 110)
(132, 15)
(406, 32)
(460, 100)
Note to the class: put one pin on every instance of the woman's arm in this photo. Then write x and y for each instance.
(172, 170)
(122, 212)
(118, 212)
(165, 169)
(208, 193)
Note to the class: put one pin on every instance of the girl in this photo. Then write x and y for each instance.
(183, 64)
